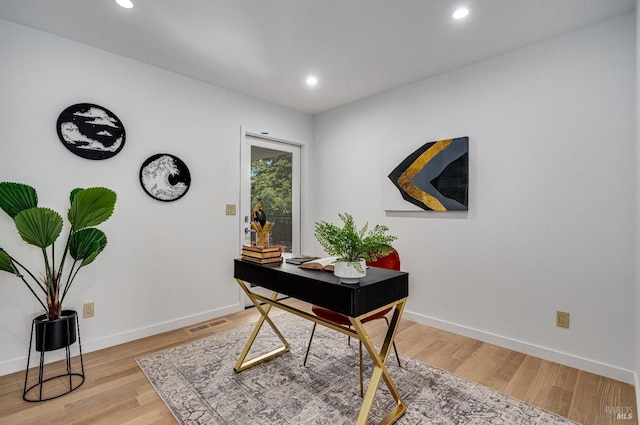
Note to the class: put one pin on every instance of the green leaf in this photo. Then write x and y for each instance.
(86, 244)
(39, 226)
(73, 194)
(5, 263)
(16, 197)
(91, 207)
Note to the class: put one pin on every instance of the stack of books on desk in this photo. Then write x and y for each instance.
(262, 254)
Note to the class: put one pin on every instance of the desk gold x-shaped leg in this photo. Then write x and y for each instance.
(379, 368)
(264, 315)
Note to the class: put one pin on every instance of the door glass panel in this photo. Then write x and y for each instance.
(271, 188)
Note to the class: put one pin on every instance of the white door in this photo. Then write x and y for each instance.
(270, 174)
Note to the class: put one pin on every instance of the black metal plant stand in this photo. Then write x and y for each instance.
(53, 335)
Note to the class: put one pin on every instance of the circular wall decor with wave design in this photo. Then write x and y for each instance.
(165, 177)
(91, 131)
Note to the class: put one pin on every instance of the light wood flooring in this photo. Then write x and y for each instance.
(116, 392)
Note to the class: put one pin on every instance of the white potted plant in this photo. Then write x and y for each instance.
(353, 247)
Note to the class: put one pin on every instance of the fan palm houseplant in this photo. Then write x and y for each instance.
(353, 247)
(41, 227)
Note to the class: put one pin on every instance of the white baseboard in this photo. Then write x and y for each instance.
(89, 345)
(637, 395)
(602, 369)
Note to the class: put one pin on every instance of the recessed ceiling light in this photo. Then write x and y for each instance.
(460, 13)
(311, 81)
(125, 3)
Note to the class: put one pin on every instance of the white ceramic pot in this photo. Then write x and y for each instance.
(350, 272)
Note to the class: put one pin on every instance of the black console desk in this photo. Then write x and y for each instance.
(379, 289)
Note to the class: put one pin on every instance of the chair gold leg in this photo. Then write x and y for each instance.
(306, 355)
(309, 345)
(361, 371)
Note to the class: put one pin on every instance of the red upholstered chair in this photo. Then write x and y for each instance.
(391, 261)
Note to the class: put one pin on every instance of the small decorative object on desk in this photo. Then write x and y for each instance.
(262, 254)
(262, 233)
(353, 246)
(260, 224)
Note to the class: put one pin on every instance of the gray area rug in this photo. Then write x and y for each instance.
(198, 384)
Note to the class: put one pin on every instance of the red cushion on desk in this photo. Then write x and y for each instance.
(391, 261)
(340, 318)
(330, 315)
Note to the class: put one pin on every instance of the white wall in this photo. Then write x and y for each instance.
(637, 232)
(552, 199)
(166, 264)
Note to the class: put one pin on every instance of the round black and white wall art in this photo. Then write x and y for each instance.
(165, 177)
(91, 131)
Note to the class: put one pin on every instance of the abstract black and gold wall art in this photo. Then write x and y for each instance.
(165, 177)
(91, 131)
(436, 176)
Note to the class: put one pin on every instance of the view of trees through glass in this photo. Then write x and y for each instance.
(271, 186)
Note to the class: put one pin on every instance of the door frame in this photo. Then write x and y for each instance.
(249, 139)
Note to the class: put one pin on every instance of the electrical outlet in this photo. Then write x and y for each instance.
(231, 209)
(562, 319)
(88, 310)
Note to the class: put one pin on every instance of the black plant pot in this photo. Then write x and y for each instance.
(51, 335)
(54, 334)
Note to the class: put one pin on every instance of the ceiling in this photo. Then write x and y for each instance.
(267, 48)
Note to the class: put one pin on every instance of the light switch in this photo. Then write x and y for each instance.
(231, 209)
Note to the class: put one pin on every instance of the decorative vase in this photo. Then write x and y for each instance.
(262, 232)
(54, 334)
(350, 271)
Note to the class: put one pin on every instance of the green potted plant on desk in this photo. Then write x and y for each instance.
(41, 227)
(353, 247)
